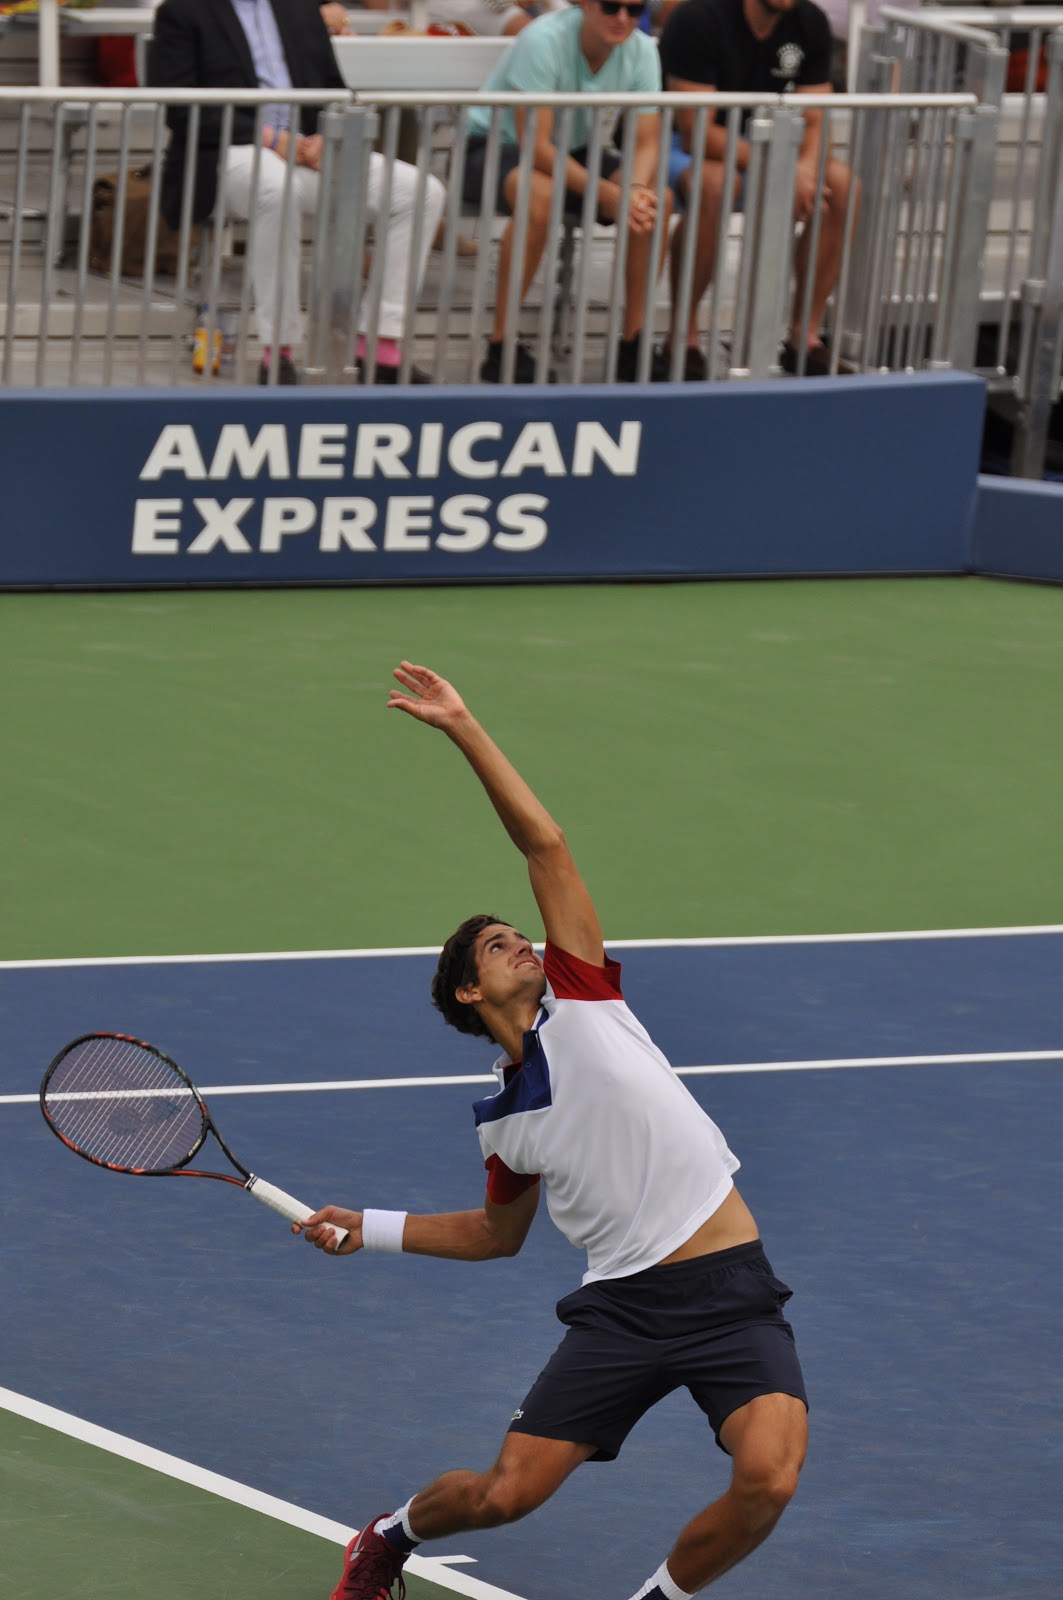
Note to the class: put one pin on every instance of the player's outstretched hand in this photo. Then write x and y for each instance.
(431, 698)
(319, 1230)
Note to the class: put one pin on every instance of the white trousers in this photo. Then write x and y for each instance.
(275, 262)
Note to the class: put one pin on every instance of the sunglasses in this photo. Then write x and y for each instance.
(613, 8)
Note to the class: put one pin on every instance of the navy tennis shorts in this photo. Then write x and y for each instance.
(713, 1325)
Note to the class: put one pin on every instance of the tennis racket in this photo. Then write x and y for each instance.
(126, 1106)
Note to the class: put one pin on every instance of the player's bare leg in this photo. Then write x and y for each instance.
(528, 1471)
(766, 1439)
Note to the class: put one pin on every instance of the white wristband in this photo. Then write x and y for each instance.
(382, 1230)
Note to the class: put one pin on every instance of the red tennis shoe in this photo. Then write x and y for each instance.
(372, 1569)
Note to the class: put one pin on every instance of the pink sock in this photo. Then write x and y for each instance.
(388, 352)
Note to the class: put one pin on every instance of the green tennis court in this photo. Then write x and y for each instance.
(208, 772)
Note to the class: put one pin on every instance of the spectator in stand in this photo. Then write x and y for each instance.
(282, 45)
(778, 46)
(595, 47)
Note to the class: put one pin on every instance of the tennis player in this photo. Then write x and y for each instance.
(677, 1292)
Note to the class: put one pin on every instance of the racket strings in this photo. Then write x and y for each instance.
(120, 1103)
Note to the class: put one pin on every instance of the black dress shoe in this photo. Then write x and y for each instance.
(523, 364)
(286, 373)
(627, 361)
(817, 362)
(390, 375)
(695, 368)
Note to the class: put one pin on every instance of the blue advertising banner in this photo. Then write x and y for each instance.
(1018, 529)
(153, 488)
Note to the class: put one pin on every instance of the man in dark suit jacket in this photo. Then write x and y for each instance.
(282, 45)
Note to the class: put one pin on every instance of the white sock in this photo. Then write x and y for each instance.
(399, 1519)
(662, 1582)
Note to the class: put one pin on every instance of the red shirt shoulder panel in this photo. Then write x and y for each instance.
(573, 979)
(504, 1186)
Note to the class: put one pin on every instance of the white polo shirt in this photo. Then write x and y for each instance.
(630, 1163)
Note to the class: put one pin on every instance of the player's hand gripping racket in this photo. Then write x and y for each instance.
(127, 1107)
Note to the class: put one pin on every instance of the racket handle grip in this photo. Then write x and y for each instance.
(286, 1204)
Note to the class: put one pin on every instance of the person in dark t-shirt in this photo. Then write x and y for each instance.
(780, 47)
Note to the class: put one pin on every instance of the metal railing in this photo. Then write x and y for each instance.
(1013, 60)
(905, 294)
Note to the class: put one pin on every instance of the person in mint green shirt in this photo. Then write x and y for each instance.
(596, 48)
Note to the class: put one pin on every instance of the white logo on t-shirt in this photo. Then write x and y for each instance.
(790, 59)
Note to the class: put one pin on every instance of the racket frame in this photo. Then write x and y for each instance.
(266, 1194)
(178, 1169)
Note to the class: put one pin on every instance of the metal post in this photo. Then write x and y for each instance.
(963, 286)
(322, 261)
(354, 133)
(1039, 376)
(771, 277)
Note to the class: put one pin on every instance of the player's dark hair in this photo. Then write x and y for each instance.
(456, 968)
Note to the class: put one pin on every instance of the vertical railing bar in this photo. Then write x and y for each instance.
(11, 319)
(426, 119)
(451, 229)
(184, 235)
(250, 246)
(375, 288)
(858, 126)
(1004, 329)
(681, 310)
(518, 243)
(756, 132)
(927, 256)
(816, 227)
(621, 244)
(322, 256)
(657, 240)
(50, 253)
(287, 207)
(117, 244)
(588, 215)
(562, 131)
(82, 270)
(485, 226)
(727, 211)
(150, 242)
(210, 319)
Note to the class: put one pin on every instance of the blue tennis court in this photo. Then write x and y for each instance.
(896, 1105)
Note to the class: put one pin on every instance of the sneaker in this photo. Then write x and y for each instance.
(523, 365)
(286, 373)
(372, 1567)
(627, 361)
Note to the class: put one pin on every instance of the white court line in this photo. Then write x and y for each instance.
(613, 944)
(975, 1058)
(433, 1571)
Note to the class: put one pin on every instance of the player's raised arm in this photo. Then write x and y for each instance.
(567, 910)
